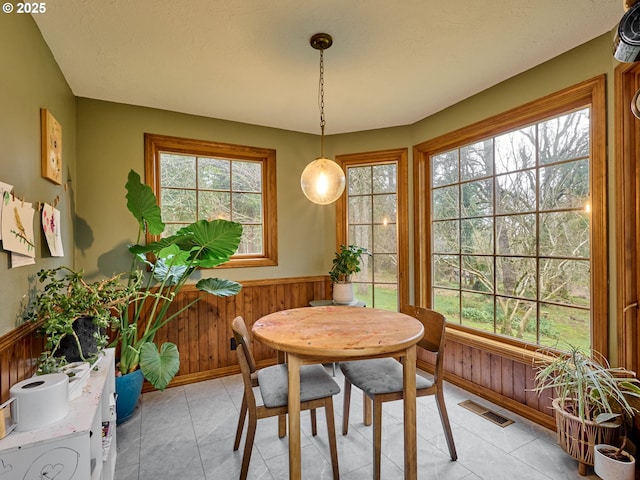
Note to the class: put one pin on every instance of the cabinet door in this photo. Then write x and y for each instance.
(64, 459)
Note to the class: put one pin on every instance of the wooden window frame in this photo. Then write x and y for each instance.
(590, 92)
(627, 181)
(400, 158)
(155, 144)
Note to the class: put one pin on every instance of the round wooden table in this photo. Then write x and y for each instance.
(333, 333)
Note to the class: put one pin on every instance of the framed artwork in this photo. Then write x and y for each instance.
(51, 147)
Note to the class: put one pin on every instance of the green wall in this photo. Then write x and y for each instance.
(109, 141)
(29, 80)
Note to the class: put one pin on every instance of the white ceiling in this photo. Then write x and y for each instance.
(392, 62)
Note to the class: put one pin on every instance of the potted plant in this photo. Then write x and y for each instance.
(345, 263)
(74, 315)
(591, 400)
(614, 463)
(165, 266)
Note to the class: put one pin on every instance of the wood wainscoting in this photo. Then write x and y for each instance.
(491, 369)
(203, 335)
(19, 352)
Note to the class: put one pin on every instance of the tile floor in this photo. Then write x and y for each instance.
(187, 433)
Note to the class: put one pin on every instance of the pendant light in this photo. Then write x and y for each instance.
(322, 180)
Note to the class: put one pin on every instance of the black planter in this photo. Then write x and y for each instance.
(85, 330)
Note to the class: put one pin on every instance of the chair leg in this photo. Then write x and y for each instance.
(331, 431)
(248, 446)
(444, 418)
(314, 423)
(377, 436)
(366, 409)
(243, 414)
(346, 402)
(282, 425)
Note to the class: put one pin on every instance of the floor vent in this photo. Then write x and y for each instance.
(486, 413)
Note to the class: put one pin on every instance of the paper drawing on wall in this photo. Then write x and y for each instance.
(19, 260)
(51, 229)
(17, 226)
(57, 464)
(51, 144)
(4, 188)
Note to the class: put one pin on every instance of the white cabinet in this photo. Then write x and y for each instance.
(73, 448)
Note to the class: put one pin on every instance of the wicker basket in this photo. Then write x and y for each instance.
(578, 438)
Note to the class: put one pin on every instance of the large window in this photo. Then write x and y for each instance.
(511, 225)
(197, 180)
(373, 214)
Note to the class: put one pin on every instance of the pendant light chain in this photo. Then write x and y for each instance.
(321, 102)
(322, 180)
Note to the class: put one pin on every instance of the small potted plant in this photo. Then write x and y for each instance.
(591, 400)
(74, 315)
(345, 263)
(614, 463)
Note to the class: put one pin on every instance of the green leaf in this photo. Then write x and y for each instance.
(209, 243)
(159, 367)
(141, 202)
(606, 418)
(169, 274)
(219, 287)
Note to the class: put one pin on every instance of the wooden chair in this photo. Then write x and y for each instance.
(316, 390)
(381, 380)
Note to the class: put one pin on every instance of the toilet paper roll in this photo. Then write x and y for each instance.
(40, 401)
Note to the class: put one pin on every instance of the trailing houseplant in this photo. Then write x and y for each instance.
(591, 399)
(346, 262)
(158, 272)
(74, 315)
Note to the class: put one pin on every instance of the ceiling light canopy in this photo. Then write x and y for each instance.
(322, 180)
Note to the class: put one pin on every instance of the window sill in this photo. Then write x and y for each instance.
(241, 262)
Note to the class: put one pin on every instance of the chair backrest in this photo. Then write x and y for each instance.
(245, 359)
(434, 332)
(243, 339)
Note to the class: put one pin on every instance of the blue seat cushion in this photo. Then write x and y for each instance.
(315, 383)
(379, 375)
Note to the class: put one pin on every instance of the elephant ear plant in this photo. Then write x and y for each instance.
(169, 263)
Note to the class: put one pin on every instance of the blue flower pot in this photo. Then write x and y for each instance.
(128, 390)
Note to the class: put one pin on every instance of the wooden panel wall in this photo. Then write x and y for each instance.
(203, 333)
(19, 352)
(203, 337)
(500, 379)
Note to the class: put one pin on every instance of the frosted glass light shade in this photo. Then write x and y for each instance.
(322, 181)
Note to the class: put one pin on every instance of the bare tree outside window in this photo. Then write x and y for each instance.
(197, 179)
(373, 214)
(197, 188)
(511, 229)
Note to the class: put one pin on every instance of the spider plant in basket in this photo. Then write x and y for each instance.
(591, 400)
